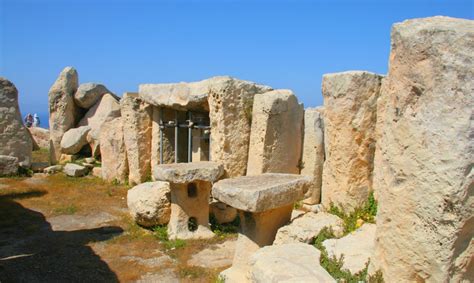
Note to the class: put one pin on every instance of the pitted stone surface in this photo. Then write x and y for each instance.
(189, 172)
(261, 192)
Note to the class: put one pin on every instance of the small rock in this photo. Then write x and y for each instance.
(149, 203)
(222, 212)
(75, 170)
(357, 248)
(87, 165)
(39, 166)
(53, 169)
(67, 158)
(89, 160)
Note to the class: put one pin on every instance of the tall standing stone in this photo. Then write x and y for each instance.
(276, 136)
(63, 113)
(15, 141)
(137, 125)
(424, 157)
(350, 111)
(313, 152)
(113, 152)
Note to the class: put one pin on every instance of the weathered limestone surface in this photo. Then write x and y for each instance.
(8, 165)
(357, 248)
(74, 170)
(276, 135)
(74, 139)
(53, 169)
(189, 172)
(89, 93)
(288, 263)
(313, 152)
(137, 125)
(424, 158)
(106, 109)
(262, 192)
(350, 104)
(113, 153)
(15, 140)
(230, 110)
(222, 212)
(149, 203)
(305, 228)
(63, 112)
(216, 256)
(168, 138)
(40, 136)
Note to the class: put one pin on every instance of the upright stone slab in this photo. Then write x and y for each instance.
(423, 175)
(113, 153)
(63, 113)
(350, 111)
(40, 137)
(276, 135)
(137, 117)
(313, 152)
(15, 141)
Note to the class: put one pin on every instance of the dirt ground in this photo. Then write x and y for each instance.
(62, 229)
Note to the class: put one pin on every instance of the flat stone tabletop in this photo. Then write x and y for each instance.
(189, 172)
(261, 192)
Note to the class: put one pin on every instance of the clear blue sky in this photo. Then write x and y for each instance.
(284, 44)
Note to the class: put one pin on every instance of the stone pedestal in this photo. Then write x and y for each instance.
(265, 203)
(190, 185)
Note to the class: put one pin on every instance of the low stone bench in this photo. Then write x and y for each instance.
(190, 185)
(265, 203)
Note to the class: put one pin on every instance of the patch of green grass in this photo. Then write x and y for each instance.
(224, 230)
(192, 272)
(366, 213)
(66, 210)
(219, 279)
(161, 233)
(298, 205)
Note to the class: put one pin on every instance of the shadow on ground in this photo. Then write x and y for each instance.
(30, 251)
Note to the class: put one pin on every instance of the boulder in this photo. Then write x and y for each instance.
(137, 118)
(106, 109)
(222, 212)
(89, 93)
(15, 140)
(350, 110)
(287, 263)
(40, 136)
(74, 139)
(230, 111)
(63, 112)
(113, 153)
(8, 165)
(74, 170)
(53, 169)
(149, 203)
(305, 228)
(38, 167)
(276, 135)
(423, 173)
(313, 153)
(356, 248)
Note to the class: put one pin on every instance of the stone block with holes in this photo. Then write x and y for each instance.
(265, 203)
(190, 185)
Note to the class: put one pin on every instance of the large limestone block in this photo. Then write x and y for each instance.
(149, 203)
(184, 173)
(15, 140)
(89, 93)
(313, 152)
(276, 135)
(74, 139)
(357, 248)
(8, 165)
(137, 124)
(262, 192)
(113, 153)
(424, 158)
(40, 136)
(63, 112)
(230, 110)
(305, 228)
(106, 109)
(288, 263)
(350, 108)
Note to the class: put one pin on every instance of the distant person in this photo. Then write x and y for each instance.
(36, 120)
(29, 120)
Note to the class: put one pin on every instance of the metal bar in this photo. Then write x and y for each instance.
(161, 135)
(176, 137)
(190, 137)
